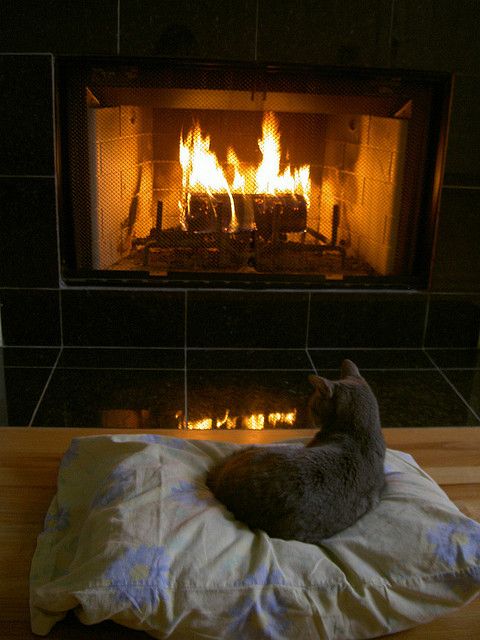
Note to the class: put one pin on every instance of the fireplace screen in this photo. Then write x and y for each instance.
(181, 171)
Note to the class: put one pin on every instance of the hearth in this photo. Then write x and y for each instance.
(183, 173)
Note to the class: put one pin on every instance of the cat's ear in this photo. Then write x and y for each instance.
(323, 385)
(349, 368)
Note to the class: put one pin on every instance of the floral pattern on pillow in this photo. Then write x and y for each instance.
(140, 576)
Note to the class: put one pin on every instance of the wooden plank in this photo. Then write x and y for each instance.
(29, 459)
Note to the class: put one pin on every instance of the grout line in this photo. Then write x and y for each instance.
(465, 187)
(185, 354)
(35, 411)
(390, 33)
(307, 331)
(425, 322)
(447, 380)
(255, 49)
(118, 27)
(23, 176)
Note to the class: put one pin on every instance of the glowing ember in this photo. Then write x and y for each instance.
(256, 421)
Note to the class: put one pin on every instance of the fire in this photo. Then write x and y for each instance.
(203, 173)
(255, 421)
(201, 169)
(285, 418)
(268, 177)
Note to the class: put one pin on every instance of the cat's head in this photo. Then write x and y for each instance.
(338, 400)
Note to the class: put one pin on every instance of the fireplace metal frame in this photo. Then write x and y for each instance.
(74, 162)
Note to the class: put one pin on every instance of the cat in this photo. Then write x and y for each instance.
(310, 492)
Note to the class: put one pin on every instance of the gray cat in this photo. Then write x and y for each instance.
(310, 492)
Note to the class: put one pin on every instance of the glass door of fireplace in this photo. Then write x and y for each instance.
(181, 172)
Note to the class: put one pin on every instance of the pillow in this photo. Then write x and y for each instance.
(134, 535)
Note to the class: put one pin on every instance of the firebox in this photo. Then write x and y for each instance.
(185, 173)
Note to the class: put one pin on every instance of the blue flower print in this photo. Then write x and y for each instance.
(166, 441)
(454, 541)
(192, 494)
(57, 521)
(116, 485)
(262, 576)
(140, 577)
(259, 615)
(71, 454)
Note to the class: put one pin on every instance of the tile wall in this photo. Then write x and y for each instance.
(37, 310)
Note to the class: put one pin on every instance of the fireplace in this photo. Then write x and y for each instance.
(182, 173)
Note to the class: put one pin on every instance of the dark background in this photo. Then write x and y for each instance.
(36, 310)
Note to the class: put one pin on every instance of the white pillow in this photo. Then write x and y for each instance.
(133, 535)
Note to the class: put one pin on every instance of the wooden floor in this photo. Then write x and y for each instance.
(29, 460)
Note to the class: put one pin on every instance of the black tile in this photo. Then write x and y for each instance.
(113, 399)
(29, 356)
(26, 115)
(418, 399)
(235, 399)
(246, 319)
(60, 27)
(357, 319)
(118, 358)
(30, 317)
(435, 35)
(453, 321)
(123, 318)
(371, 358)
(463, 154)
(28, 236)
(457, 259)
(20, 391)
(456, 358)
(330, 33)
(468, 384)
(188, 29)
(237, 359)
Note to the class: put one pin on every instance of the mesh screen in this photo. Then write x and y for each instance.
(205, 169)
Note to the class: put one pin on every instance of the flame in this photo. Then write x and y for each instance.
(285, 418)
(201, 169)
(238, 184)
(203, 425)
(268, 177)
(202, 172)
(256, 421)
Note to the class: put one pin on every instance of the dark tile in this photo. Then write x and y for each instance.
(123, 318)
(188, 28)
(30, 317)
(20, 391)
(246, 319)
(29, 356)
(453, 321)
(418, 399)
(112, 399)
(247, 400)
(435, 35)
(463, 154)
(118, 358)
(26, 115)
(60, 27)
(238, 359)
(357, 319)
(330, 33)
(468, 384)
(457, 259)
(28, 234)
(456, 358)
(371, 358)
